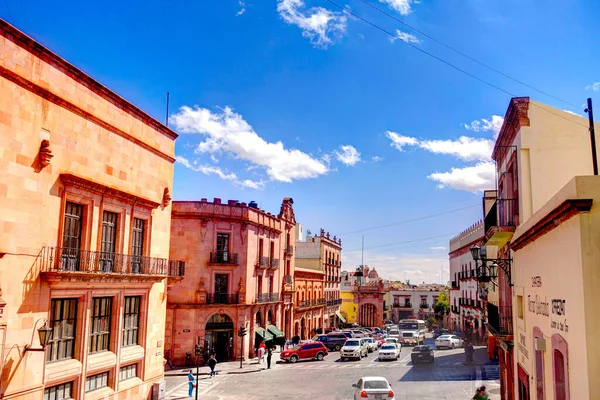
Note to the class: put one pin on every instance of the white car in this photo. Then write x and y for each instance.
(393, 341)
(394, 333)
(450, 341)
(388, 351)
(354, 348)
(371, 344)
(373, 387)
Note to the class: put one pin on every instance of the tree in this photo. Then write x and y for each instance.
(442, 305)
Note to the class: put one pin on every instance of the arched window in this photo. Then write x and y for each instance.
(259, 319)
(560, 357)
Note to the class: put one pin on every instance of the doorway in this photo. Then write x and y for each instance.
(523, 384)
(219, 337)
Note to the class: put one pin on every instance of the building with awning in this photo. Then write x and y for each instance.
(262, 335)
(340, 317)
(278, 335)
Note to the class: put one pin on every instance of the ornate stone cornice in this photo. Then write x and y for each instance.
(516, 116)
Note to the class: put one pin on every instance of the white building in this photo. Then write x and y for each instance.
(411, 302)
(465, 304)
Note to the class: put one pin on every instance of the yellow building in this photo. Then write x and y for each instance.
(348, 306)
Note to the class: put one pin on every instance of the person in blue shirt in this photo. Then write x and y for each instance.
(191, 383)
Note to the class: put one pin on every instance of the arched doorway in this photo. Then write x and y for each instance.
(367, 315)
(303, 328)
(258, 321)
(219, 337)
(270, 317)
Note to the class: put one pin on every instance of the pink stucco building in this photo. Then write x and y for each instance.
(239, 274)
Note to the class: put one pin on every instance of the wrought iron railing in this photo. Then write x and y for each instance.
(274, 263)
(288, 279)
(500, 319)
(402, 305)
(304, 304)
(58, 259)
(267, 297)
(223, 257)
(222, 298)
(423, 305)
(289, 250)
(263, 262)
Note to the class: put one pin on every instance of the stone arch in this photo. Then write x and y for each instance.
(258, 318)
(560, 367)
(270, 319)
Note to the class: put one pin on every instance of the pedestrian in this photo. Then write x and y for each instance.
(191, 383)
(480, 394)
(469, 350)
(212, 363)
(261, 351)
(269, 354)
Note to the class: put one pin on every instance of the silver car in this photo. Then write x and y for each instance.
(371, 344)
(354, 348)
(373, 387)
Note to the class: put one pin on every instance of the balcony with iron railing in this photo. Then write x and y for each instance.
(274, 263)
(223, 257)
(303, 304)
(501, 221)
(267, 298)
(288, 279)
(263, 262)
(289, 251)
(423, 305)
(58, 261)
(500, 321)
(222, 298)
(402, 305)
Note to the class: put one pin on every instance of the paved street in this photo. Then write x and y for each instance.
(447, 378)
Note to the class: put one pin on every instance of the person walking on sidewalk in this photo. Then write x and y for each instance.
(261, 351)
(480, 394)
(469, 350)
(212, 363)
(269, 354)
(191, 383)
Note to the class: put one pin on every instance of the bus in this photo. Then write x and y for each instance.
(412, 331)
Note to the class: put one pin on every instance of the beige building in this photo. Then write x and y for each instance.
(85, 218)
(540, 224)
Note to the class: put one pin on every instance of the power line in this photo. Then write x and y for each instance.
(444, 61)
(467, 56)
(411, 220)
(407, 241)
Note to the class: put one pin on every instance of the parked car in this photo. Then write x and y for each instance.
(422, 353)
(449, 341)
(354, 348)
(439, 332)
(333, 341)
(393, 341)
(348, 334)
(371, 344)
(380, 342)
(309, 350)
(373, 387)
(388, 351)
(357, 333)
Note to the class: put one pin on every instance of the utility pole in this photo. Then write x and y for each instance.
(362, 253)
(198, 352)
(590, 113)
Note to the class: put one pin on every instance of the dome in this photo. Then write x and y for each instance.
(373, 274)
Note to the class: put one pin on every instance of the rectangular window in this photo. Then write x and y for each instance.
(271, 283)
(272, 251)
(222, 247)
(131, 320)
(71, 240)
(128, 372)
(63, 315)
(108, 243)
(100, 329)
(137, 245)
(59, 392)
(261, 245)
(97, 381)
(520, 307)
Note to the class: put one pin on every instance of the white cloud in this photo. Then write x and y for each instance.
(476, 178)
(228, 132)
(402, 6)
(438, 248)
(376, 158)
(347, 155)
(214, 159)
(405, 37)
(594, 86)
(213, 170)
(320, 25)
(399, 141)
(493, 124)
(465, 148)
(242, 8)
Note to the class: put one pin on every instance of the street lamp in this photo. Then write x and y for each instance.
(198, 353)
(44, 335)
(486, 272)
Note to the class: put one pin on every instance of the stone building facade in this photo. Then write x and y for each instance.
(324, 252)
(239, 268)
(84, 237)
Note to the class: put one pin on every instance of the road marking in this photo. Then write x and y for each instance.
(181, 391)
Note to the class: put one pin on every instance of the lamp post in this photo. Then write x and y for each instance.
(198, 353)
(44, 335)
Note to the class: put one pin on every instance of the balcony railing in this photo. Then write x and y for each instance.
(267, 297)
(404, 305)
(289, 251)
(500, 320)
(423, 305)
(58, 259)
(504, 212)
(304, 304)
(223, 257)
(288, 279)
(222, 298)
(274, 263)
(263, 262)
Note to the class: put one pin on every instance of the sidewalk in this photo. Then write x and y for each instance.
(226, 368)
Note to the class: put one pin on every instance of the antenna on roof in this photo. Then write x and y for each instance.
(167, 116)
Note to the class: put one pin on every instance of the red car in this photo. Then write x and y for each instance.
(310, 350)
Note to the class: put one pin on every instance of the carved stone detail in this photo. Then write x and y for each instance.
(45, 154)
(203, 225)
(166, 197)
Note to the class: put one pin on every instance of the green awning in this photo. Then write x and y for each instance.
(340, 316)
(272, 329)
(263, 335)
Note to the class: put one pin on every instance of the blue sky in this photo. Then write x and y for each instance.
(295, 98)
